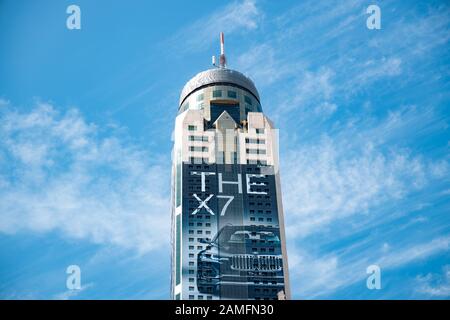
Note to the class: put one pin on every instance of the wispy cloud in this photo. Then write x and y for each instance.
(435, 285)
(263, 64)
(319, 275)
(352, 173)
(238, 16)
(350, 181)
(71, 294)
(59, 172)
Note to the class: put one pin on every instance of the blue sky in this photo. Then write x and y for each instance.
(86, 118)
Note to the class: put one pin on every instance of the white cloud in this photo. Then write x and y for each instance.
(435, 285)
(61, 173)
(326, 108)
(69, 294)
(319, 275)
(4, 102)
(415, 252)
(330, 181)
(354, 171)
(263, 66)
(312, 90)
(345, 183)
(374, 70)
(238, 16)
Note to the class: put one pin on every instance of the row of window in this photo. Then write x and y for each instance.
(199, 297)
(199, 217)
(255, 141)
(207, 166)
(256, 151)
(266, 290)
(267, 204)
(198, 138)
(218, 93)
(261, 211)
(200, 231)
(230, 94)
(198, 148)
(260, 219)
(251, 196)
(199, 224)
(198, 160)
(198, 188)
(198, 239)
(193, 248)
(199, 166)
(257, 162)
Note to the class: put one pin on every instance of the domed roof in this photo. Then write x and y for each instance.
(219, 76)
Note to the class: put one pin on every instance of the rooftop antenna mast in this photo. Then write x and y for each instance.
(222, 59)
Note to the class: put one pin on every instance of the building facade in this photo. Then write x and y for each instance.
(228, 234)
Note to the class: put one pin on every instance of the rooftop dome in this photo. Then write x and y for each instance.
(218, 76)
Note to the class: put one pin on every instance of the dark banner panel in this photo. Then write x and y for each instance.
(231, 235)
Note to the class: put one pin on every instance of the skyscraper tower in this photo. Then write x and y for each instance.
(228, 234)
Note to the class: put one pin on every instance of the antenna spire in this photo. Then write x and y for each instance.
(222, 59)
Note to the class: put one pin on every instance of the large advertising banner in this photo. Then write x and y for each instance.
(231, 236)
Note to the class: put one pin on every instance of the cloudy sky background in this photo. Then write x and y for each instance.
(86, 118)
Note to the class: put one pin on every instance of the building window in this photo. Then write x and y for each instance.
(200, 149)
(178, 252)
(232, 94)
(198, 138)
(256, 151)
(261, 130)
(256, 141)
(198, 160)
(200, 97)
(185, 106)
(248, 100)
(217, 93)
(192, 128)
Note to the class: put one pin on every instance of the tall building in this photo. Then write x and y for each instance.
(228, 234)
